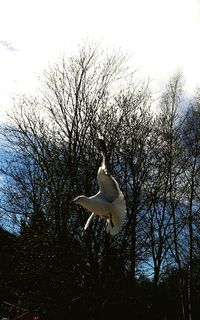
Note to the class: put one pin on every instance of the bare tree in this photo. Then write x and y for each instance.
(53, 155)
(166, 186)
(191, 136)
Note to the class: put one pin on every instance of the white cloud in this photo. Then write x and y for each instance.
(161, 35)
(7, 45)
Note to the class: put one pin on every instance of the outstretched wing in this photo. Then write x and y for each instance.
(89, 220)
(109, 188)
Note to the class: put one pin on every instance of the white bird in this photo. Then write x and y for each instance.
(108, 203)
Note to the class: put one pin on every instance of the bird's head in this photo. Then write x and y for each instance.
(78, 200)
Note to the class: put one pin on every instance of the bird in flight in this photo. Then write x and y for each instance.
(109, 201)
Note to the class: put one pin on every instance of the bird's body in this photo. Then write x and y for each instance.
(96, 204)
(108, 203)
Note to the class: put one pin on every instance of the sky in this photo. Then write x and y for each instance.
(161, 36)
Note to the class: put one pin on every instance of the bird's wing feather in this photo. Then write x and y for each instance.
(89, 220)
(109, 187)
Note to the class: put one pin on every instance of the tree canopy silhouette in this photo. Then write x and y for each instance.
(149, 269)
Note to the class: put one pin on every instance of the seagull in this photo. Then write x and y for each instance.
(108, 203)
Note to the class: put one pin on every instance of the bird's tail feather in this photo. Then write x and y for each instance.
(118, 216)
